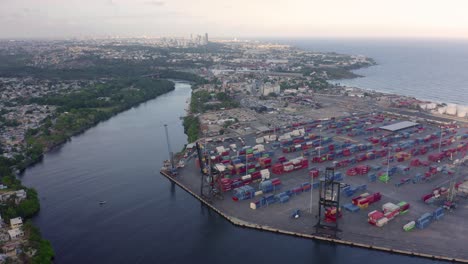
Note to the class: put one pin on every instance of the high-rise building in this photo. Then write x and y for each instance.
(206, 38)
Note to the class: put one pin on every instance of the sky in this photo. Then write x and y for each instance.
(234, 18)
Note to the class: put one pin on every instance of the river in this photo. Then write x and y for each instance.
(146, 219)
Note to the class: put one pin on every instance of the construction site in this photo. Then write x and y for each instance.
(375, 180)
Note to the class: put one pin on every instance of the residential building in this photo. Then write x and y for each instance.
(15, 233)
(16, 222)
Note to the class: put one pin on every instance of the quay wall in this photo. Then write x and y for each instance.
(241, 223)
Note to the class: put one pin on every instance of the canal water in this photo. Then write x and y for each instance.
(145, 218)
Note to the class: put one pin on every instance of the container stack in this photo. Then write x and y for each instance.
(424, 221)
(314, 173)
(265, 174)
(225, 184)
(243, 193)
(362, 169)
(372, 177)
(270, 185)
(282, 197)
(366, 199)
(438, 213)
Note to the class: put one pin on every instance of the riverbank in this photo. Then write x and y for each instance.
(74, 117)
(101, 164)
(80, 111)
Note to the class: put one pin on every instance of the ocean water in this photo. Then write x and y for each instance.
(428, 69)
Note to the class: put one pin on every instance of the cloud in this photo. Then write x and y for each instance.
(154, 3)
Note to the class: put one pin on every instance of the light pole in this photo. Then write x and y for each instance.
(311, 194)
(388, 163)
(440, 138)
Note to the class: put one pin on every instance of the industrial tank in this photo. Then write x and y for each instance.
(442, 110)
(461, 110)
(451, 109)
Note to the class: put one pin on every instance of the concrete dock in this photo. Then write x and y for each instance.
(443, 240)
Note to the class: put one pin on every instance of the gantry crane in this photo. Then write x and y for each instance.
(209, 188)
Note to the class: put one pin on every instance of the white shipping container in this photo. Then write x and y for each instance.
(390, 207)
(246, 177)
(265, 173)
(257, 193)
(220, 149)
(381, 222)
(259, 147)
(296, 161)
(259, 140)
(253, 206)
(288, 168)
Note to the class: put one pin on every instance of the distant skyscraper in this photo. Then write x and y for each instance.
(206, 38)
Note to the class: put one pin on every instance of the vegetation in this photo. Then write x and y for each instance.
(81, 110)
(76, 112)
(25, 209)
(191, 127)
(45, 252)
(202, 101)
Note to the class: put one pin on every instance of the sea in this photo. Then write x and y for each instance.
(428, 69)
(146, 219)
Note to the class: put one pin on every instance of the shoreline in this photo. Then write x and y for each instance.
(58, 145)
(19, 169)
(337, 83)
(240, 223)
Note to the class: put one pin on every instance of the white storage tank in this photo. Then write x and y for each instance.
(451, 109)
(461, 110)
(442, 110)
(431, 106)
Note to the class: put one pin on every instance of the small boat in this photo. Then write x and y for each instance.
(102, 202)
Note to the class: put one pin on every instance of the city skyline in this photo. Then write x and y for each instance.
(260, 18)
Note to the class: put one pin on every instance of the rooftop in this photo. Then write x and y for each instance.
(399, 126)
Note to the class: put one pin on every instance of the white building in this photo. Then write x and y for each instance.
(15, 233)
(270, 88)
(20, 195)
(16, 222)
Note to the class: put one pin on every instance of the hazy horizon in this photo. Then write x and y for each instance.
(228, 19)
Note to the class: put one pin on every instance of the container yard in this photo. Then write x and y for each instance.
(403, 184)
